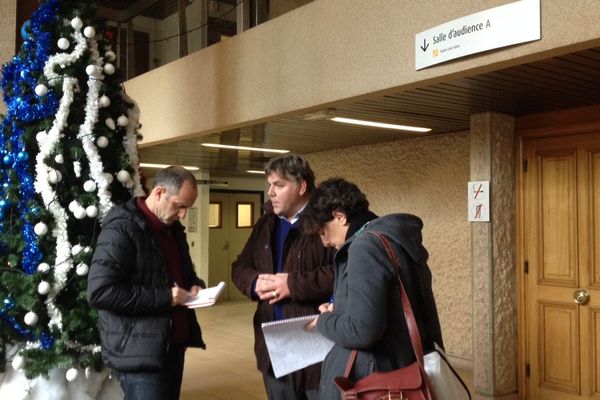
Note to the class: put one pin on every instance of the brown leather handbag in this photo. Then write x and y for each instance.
(407, 383)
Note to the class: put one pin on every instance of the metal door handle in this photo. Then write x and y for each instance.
(581, 296)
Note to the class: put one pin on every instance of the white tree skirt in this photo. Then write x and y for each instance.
(98, 386)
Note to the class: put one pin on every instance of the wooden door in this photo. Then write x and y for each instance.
(238, 213)
(562, 255)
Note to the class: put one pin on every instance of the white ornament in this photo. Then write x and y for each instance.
(109, 69)
(87, 249)
(18, 362)
(104, 101)
(77, 169)
(110, 123)
(63, 43)
(91, 70)
(82, 269)
(72, 373)
(40, 229)
(43, 268)
(31, 318)
(122, 120)
(89, 186)
(43, 288)
(88, 372)
(123, 176)
(89, 32)
(41, 90)
(80, 213)
(41, 136)
(91, 211)
(76, 249)
(59, 158)
(53, 176)
(76, 23)
(102, 142)
(108, 176)
(73, 205)
(110, 55)
(128, 184)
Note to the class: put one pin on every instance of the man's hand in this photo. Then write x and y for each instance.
(180, 296)
(272, 287)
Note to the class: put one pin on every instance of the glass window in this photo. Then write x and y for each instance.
(245, 215)
(214, 215)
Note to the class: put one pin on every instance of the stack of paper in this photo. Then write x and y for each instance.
(206, 297)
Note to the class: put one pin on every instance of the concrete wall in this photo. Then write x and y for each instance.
(426, 177)
(301, 61)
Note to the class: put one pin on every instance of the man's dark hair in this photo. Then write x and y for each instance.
(294, 168)
(172, 178)
(335, 194)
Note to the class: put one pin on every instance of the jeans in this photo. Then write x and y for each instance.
(159, 385)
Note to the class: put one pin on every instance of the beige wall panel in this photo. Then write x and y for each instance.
(8, 11)
(426, 177)
(327, 51)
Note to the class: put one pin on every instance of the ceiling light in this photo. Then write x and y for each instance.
(255, 171)
(226, 146)
(379, 124)
(151, 165)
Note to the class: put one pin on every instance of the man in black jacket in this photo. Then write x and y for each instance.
(141, 275)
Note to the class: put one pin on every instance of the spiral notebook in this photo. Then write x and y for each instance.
(291, 347)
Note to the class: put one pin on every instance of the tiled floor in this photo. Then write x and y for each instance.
(227, 368)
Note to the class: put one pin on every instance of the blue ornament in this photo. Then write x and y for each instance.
(9, 303)
(7, 160)
(4, 203)
(22, 156)
(25, 30)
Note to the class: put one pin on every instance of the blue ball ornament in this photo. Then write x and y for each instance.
(7, 159)
(3, 203)
(9, 303)
(22, 156)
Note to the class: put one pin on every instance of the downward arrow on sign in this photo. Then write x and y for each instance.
(425, 45)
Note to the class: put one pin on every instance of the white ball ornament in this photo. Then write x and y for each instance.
(109, 178)
(73, 205)
(91, 70)
(122, 120)
(18, 362)
(128, 184)
(104, 101)
(63, 43)
(72, 373)
(43, 288)
(41, 90)
(110, 55)
(110, 123)
(41, 136)
(31, 318)
(82, 269)
(76, 249)
(109, 69)
(54, 176)
(59, 158)
(40, 229)
(89, 32)
(76, 23)
(102, 142)
(91, 211)
(89, 186)
(123, 176)
(80, 213)
(43, 268)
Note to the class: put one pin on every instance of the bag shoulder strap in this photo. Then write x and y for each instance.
(411, 322)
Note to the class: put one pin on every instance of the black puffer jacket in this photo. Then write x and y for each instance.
(130, 286)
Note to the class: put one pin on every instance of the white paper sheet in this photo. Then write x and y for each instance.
(206, 297)
(291, 347)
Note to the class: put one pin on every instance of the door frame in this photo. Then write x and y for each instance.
(560, 123)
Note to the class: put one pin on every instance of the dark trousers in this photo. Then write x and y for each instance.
(283, 389)
(159, 385)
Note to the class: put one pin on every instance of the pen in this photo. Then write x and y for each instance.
(331, 299)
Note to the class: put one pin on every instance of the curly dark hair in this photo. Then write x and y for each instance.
(294, 168)
(335, 194)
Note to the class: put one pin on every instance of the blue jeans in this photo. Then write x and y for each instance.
(159, 385)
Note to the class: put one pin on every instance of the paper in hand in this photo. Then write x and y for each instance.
(206, 297)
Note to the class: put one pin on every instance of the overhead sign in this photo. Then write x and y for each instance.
(497, 27)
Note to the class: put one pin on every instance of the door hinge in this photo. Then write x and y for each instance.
(525, 165)
(526, 267)
(527, 370)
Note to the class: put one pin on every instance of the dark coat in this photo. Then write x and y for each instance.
(368, 312)
(130, 286)
(310, 281)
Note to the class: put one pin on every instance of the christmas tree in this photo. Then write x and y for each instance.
(68, 153)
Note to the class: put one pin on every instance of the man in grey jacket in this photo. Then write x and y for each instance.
(140, 277)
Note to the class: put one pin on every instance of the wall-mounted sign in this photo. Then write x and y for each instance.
(497, 27)
(479, 201)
